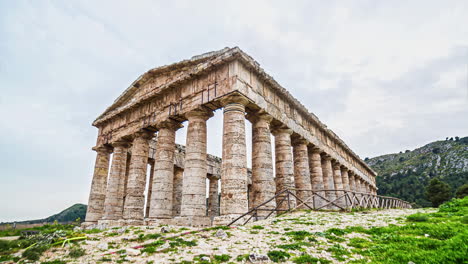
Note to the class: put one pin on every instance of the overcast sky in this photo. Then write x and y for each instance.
(386, 76)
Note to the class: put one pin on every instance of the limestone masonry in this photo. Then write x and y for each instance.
(139, 129)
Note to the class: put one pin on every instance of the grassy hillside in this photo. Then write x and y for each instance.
(406, 174)
(68, 215)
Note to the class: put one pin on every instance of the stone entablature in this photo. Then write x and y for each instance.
(308, 154)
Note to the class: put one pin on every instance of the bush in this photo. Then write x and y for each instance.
(417, 218)
(462, 191)
(278, 255)
(76, 252)
(437, 192)
(222, 258)
(308, 259)
(34, 253)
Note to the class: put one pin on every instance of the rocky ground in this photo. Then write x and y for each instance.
(288, 237)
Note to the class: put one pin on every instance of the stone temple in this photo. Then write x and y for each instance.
(186, 185)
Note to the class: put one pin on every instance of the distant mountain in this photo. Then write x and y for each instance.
(68, 215)
(406, 174)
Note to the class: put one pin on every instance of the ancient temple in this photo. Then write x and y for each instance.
(139, 128)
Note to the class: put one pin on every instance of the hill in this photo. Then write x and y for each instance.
(68, 215)
(406, 174)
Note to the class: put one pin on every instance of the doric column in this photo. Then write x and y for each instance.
(302, 171)
(338, 180)
(345, 178)
(284, 166)
(135, 199)
(194, 183)
(352, 183)
(163, 179)
(113, 205)
(328, 179)
(346, 185)
(98, 185)
(150, 189)
(316, 175)
(213, 205)
(177, 193)
(234, 200)
(263, 178)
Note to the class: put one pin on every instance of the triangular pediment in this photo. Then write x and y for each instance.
(173, 72)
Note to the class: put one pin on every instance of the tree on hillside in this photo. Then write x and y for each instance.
(437, 192)
(462, 191)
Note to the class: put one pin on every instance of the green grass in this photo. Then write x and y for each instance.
(298, 235)
(439, 238)
(278, 255)
(308, 259)
(76, 252)
(417, 217)
(294, 246)
(222, 258)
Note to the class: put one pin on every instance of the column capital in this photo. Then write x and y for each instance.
(336, 165)
(145, 134)
(199, 113)
(344, 168)
(298, 140)
(282, 130)
(325, 156)
(171, 124)
(103, 149)
(235, 98)
(260, 115)
(314, 149)
(121, 143)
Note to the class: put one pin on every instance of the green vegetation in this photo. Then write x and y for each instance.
(440, 237)
(294, 246)
(298, 235)
(437, 192)
(308, 259)
(406, 175)
(76, 252)
(417, 218)
(35, 245)
(462, 191)
(222, 258)
(278, 255)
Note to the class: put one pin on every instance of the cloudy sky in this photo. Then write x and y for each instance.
(384, 75)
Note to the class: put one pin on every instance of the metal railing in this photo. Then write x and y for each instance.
(344, 200)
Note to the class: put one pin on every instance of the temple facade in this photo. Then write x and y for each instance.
(187, 186)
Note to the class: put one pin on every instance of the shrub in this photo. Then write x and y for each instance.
(54, 262)
(462, 191)
(222, 258)
(298, 235)
(76, 252)
(278, 255)
(34, 253)
(308, 259)
(417, 218)
(437, 192)
(257, 227)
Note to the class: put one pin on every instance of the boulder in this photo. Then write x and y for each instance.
(258, 258)
(221, 234)
(103, 246)
(133, 252)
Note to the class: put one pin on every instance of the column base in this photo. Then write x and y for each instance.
(227, 219)
(193, 221)
(133, 222)
(108, 223)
